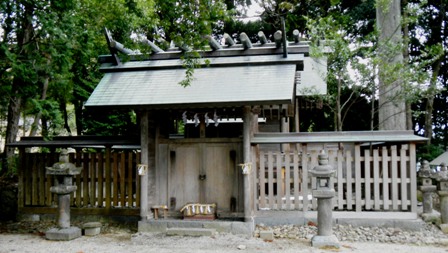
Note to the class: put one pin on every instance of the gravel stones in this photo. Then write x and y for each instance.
(428, 234)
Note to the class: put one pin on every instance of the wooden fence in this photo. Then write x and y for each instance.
(108, 183)
(372, 178)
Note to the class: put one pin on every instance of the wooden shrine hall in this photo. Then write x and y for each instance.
(227, 146)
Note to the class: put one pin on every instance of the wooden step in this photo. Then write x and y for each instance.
(191, 231)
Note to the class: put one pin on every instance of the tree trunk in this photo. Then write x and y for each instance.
(24, 34)
(12, 128)
(392, 109)
(432, 91)
(63, 108)
(409, 125)
(38, 116)
(338, 108)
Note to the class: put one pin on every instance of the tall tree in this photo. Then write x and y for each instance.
(392, 109)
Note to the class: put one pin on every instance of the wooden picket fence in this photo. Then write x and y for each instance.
(108, 183)
(372, 178)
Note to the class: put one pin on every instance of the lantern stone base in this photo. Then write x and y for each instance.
(63, 234)
(444, 228)
(433, 217)
(320, 241)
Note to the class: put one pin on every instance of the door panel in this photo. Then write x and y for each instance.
(184, 173)
(220, 171)
(204, 173)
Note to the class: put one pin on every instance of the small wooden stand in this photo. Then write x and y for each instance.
(157, 209)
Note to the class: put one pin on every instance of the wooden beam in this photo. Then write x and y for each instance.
(144, 133)
(247, 127)
(278, 37)
(112, 50)
(295, 35)
(153, 46)
(262, 38)
(214, 45)
(229, 40)
(120, 47)
(245, 41)
(182, 46)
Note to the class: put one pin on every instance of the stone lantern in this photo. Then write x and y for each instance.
(442, 177)
(63, 172)
(324, 194)
(427, 189)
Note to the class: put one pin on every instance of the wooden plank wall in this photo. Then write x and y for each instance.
(379, 178)
(107, 181)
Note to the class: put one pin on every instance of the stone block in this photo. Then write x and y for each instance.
(243, 228)
(190, 231)
(330, 241)
(92, 228)
(63, 234)
(444, 228)
(152, 226)
(267, 235)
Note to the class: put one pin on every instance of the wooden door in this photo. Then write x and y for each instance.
(221, 183)
(204, 173)
(184, 175)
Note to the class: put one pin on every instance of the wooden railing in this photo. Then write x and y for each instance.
(368, 178)
(108, 183)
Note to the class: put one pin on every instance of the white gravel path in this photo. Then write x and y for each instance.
(123, 242)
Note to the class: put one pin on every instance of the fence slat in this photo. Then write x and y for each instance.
(358, 201)
(296, 181)
(138, 183)
(287, 180)
(115, 179)
(367, 177)
(100, 180)
(108, 174)
(413, 175)
(42, 178)
(385, 170)
(34, 192)
(313, 163)
(279, 179)
(261, 181)
(78, 163)
(376, 179)
(85, 183)
(122, 174)
(394, 167)
(130, 179)
(271, 179)
(340, 185)
(404, 179)
(349, 194)
(305, 182)
(92, 179)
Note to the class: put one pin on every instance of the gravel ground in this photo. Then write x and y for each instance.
(30, 237)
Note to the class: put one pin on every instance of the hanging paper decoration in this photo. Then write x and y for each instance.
(196, 120)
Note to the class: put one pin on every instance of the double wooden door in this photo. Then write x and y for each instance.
(204, 173)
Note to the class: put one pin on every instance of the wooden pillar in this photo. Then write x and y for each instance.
(144, 142)
(296, 116)
(247, 127)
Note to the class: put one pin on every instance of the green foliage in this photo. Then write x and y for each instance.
(429, 152)
(110, 123)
